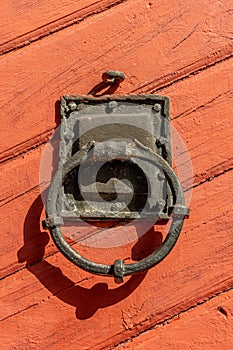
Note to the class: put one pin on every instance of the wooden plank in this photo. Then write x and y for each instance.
(63, 302)
(200, 116)
(204, 326)
(26, 21)
(202, 107)
(189, 98)
(199, 125)
(20, 176)
(51, 303)
(74, 59)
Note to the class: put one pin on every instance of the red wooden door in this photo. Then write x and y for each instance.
(178, 49)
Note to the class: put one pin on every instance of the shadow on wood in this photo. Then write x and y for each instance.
(86, 300)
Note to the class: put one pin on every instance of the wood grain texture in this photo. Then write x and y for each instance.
(76, 303)
(201, 116)
(179, 49)
(72, 60)
(26, 21)
(200, 328)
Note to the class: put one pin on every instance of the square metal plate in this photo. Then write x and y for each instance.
(109, 122)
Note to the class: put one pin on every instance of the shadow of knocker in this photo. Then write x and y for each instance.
(86, 301)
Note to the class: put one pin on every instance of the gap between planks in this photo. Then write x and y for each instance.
(57, 25)
(170, 319)
(41, 139)
(102, 229)
(134, 42)
(228, 166)
(197, 67)
(207, 294)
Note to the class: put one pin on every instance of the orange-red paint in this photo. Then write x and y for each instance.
(178, 49)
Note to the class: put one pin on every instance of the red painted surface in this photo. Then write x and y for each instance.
(204, 327)
(177, 49)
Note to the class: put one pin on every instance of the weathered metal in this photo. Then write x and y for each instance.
(118, 270)
(113, 76)
(114, 122)
(121, 146)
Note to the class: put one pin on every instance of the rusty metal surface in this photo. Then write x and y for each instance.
(113, 120)
(119, 269)
(115, 163)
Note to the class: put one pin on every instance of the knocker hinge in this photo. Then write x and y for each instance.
(179, 210)
(52, 221)
(115, 163)
(119, 271)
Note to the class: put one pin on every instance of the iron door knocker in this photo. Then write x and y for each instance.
(116, 139)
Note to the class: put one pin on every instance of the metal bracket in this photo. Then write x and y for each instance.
(110, 123)
(115, 163)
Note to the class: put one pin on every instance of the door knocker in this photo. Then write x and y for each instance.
(109, 141)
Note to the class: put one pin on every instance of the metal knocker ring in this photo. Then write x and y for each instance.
(118, 269)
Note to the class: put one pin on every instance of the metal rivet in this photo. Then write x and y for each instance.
(112, 104)
(161, 175)
(157, 107)
(69, 135)
(72, 106)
